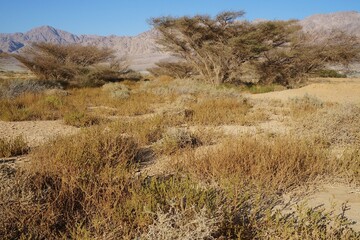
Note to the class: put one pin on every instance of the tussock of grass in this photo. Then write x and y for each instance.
(302, 107)
(339, 125)
(13, 147)
(147, 131)
(278, 164)
(166, 86)
(175, 139)
(74, 182)
(219, 111)
(30, 107)
(15, 87)
(40, 106)
(348, 166)
(82, 119)
(84, 186)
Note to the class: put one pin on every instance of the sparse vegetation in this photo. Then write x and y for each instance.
(13, 147)
(305, 106)
(175, 139)
(72, 64)
(81, 119)
(175, 157)
(337, 125)
(277, 164)
(15, 87)
(220, 111)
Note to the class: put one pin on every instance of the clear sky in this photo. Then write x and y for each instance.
(128, 17)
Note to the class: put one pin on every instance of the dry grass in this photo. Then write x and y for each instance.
(275, 164)
(41, 106)
(67, 183)
(302, 107)
(175, 139)
(31, 107)
(219, 111)
(11, 88)
(147, 131)
(89, 186)
(337, 125)
(13, 147)
(82, 119)
(348, 166)
(84, 187)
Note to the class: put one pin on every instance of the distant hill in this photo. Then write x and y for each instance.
(142, 50)
(348, 22)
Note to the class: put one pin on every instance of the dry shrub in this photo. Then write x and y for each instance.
(247, 214)
(348, 166)
(31, 107)
(148, 130)
(70, 62)
(82, 119)
(84, 187)
(305, 223)
(166, 86)
(188, 224)
(75, 186)
(307, 105)
(172, 69)
(117, 90)
(220, 111)
(279, 164)
(337, 125)
(175, 139)
(13, 147)
(136, 104)
(52, 106)
(14, 88)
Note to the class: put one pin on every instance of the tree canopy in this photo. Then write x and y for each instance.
(220, 48)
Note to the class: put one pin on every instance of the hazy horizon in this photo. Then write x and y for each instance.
(129, 18)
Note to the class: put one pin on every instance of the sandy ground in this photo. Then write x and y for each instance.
(35, 132)
(334, 196)
(329, 196)
(334, 90)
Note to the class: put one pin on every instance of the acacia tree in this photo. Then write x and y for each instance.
(305, 55)
(218, 48)
(68, 62)
(172, 69)
(198, 41)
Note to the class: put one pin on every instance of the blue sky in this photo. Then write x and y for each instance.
(129, 17)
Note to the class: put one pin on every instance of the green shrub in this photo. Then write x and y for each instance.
(326, 73)
(256, 89)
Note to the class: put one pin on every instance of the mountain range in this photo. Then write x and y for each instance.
(142, 51)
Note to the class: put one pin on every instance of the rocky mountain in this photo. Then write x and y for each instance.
(348, 22)
(141, 50)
